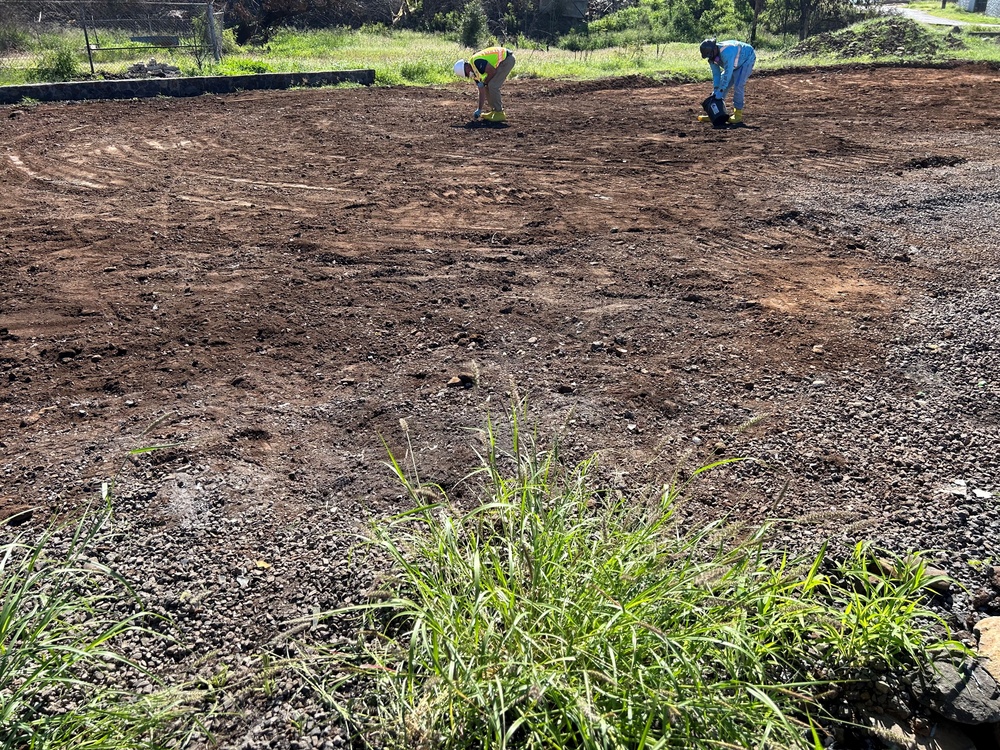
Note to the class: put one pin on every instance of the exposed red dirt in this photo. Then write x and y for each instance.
(281, 277)
(274, 280)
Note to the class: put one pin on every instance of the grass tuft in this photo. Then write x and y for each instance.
(554, 615)
(60, 614)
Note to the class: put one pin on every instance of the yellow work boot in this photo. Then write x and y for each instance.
(495, 117)
(736, 117)
(704, 118)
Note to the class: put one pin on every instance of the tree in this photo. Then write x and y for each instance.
(758, 7)
(473, 25)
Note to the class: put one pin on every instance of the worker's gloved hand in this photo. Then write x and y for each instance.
(475, 115)
(719, 94)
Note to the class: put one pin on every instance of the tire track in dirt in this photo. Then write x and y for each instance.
(56, 172)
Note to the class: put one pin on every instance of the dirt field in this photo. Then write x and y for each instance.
(275, 280)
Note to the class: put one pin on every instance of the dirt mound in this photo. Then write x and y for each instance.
(881, 37)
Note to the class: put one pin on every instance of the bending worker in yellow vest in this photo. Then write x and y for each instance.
(489, 68)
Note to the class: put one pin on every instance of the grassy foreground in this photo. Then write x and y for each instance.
(60, 617)
(555, 614)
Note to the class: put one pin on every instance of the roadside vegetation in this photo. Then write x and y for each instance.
(953, 13)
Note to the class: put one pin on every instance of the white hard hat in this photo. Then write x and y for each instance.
(460, 68)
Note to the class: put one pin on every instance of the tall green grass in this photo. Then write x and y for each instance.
(555, 614)
(406, 57)
(402, 57)
(60, 616)
(55, 65)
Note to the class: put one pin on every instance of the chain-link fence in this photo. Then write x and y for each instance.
(62, 40)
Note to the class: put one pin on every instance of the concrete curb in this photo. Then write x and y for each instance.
(145, 88)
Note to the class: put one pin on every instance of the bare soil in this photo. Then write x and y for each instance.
(273, 281)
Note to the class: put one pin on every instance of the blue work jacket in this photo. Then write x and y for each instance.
(732, 55)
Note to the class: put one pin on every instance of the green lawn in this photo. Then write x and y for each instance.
(952, 12)
(411, 58)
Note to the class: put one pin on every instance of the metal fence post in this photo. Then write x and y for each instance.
(213, 33)
(86, 37)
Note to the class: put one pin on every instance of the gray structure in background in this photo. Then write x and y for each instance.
(192, 86)
(987, 7)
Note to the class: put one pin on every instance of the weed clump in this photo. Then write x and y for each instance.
(56, 65)
(557, 615)
(60, 616)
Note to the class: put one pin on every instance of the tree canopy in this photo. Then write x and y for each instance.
(605, 21)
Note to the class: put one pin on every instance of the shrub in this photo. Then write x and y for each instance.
(376, 29)
(56, 65)
(473, 28)
(725, 20)
(577, 41)
(684, 26)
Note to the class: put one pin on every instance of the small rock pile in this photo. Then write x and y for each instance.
(153, 69)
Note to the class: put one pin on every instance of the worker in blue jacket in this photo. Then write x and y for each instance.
(732, 63)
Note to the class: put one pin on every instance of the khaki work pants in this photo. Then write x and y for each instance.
(493, 90)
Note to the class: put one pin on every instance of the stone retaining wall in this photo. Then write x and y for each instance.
(143, 88)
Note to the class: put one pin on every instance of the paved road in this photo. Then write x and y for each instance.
(924, 17)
